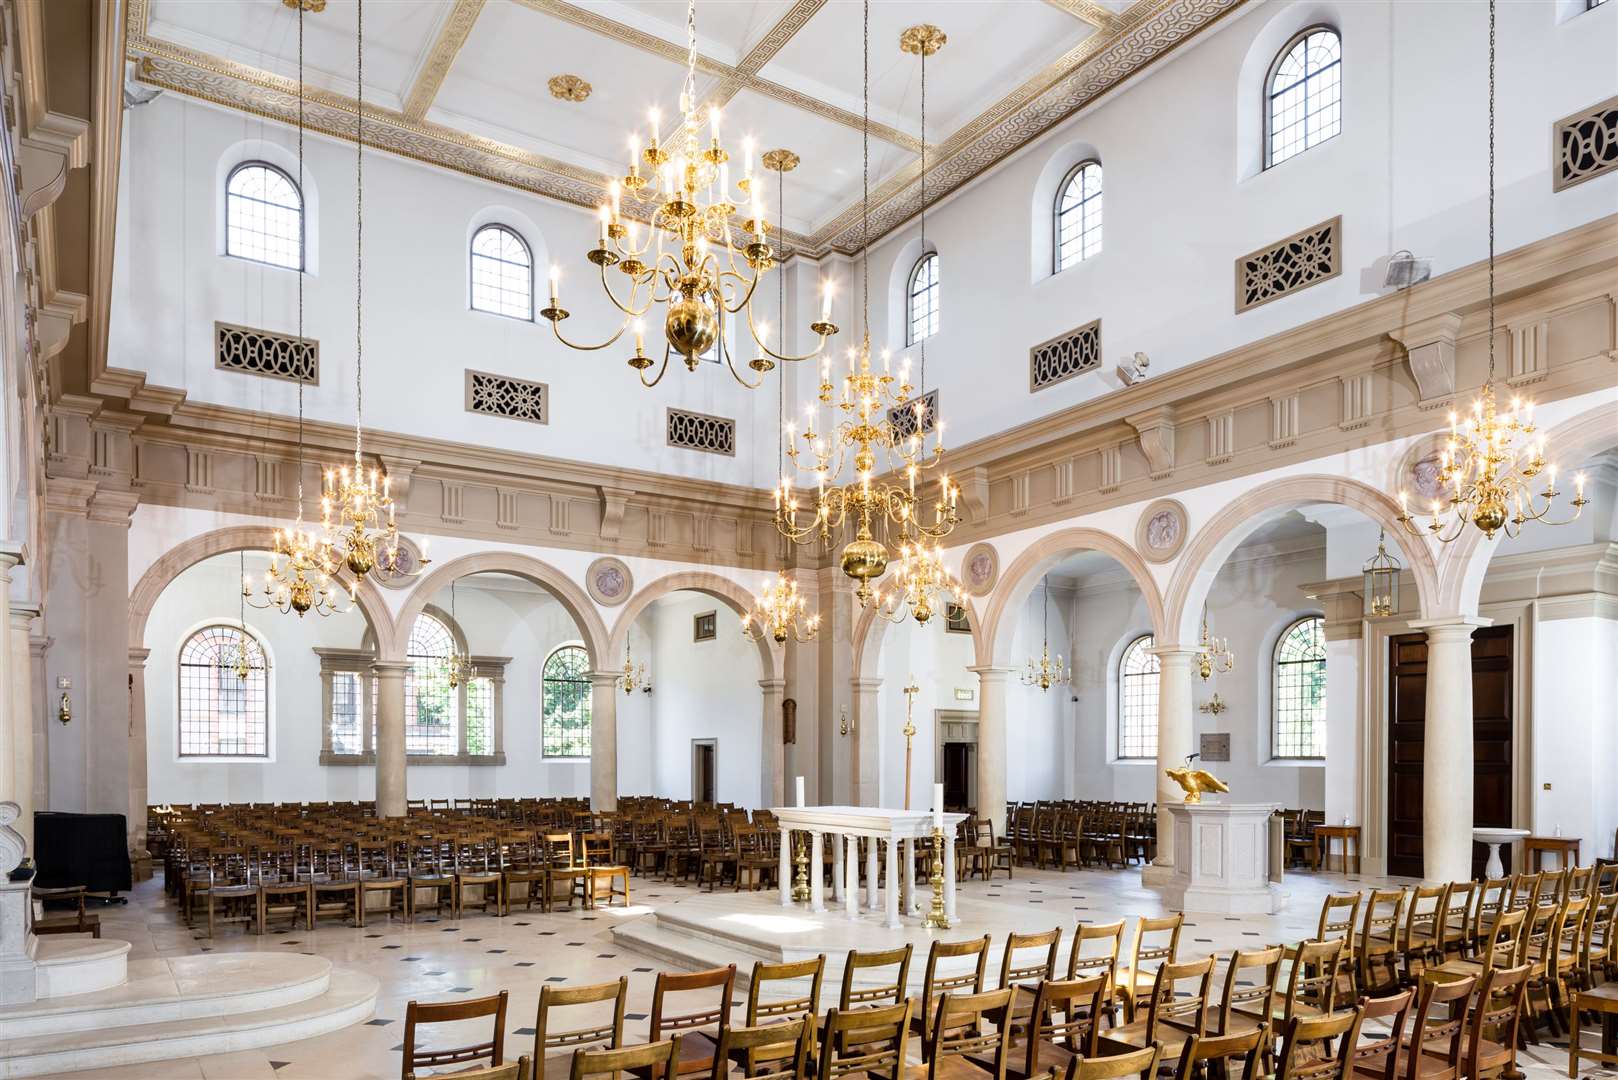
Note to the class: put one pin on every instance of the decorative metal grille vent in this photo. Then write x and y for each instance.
(1586, 145)
(903, 417)
(260, 352)
(1074, 353)
(697, 431)
(1303, 259)
(501, 395)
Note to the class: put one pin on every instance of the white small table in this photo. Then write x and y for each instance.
(846, 825)
(1494, 838)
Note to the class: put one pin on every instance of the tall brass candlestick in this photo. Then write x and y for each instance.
(800, 887)
(935, 918)
(910, 693)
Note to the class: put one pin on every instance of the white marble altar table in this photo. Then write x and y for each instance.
(846, 825)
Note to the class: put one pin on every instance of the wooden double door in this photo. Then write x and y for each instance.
(1492, 750)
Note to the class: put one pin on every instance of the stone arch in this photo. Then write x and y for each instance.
(1467, 561)
(723, 589)
(870, 630)
(546, 576)
(1213, 543)
(161, 574)
(994, 647)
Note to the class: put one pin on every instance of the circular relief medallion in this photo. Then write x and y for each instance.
(1161, 531)
(608, 581)
(407, 566)
(1418, 471)
(980, 569)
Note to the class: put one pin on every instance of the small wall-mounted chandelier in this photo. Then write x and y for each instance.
(458, 666)
(634, 675)
(1487, 468)
(697, 277)
(1381, 588)
(1213, 654)
(920, 587)
(781, 612)
(355, 509)
(1042, 672)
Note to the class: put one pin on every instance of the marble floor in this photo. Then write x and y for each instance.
(480, 954)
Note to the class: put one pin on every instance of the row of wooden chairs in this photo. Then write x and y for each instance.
(1069, 834)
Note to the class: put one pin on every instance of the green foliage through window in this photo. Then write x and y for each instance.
(565, 695)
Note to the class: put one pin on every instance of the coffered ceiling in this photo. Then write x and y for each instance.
(464, 83)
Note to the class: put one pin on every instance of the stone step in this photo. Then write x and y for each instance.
(348, 999)
(68, 967)
(176, 988)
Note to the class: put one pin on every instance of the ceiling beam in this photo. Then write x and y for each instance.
(1090, 11)
(452, 34)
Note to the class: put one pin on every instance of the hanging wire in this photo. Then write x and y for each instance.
(922, 390)
(781, 316)
(359, 225)
(865, 171)
(1491, 191)
(303, 262)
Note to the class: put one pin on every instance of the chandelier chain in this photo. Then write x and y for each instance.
(359, 225)
(781, 312)
(1491, 191)
(690, 55)
(923, 373)
(865, 172)
(302, 259)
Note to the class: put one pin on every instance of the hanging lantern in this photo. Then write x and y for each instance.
(1381, 589)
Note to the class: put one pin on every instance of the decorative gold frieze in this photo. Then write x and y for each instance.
(1305, 258)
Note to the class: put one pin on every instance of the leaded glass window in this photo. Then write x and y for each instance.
(220, 714)
(264, 216)
(1137, 700)
(1078, 216)
(1304, 100)
(922, 302)
(430, 703)
(1299, 715)
(565, 703)
(502, 273)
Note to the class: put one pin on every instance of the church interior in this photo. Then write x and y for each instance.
(1187, 658)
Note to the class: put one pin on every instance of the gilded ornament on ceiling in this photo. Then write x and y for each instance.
(923, 39)
(569, 88)
(780, 160)
(312, 6)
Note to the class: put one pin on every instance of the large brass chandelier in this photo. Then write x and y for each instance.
(780, 612)
(299, 577)
(1487, 468)
(858, 432)
(920, 586)
(356, 510)
(687, 261)
(458, 666)
(1044, 673)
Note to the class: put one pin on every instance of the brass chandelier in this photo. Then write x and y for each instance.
(1487, 468)
(245, 656)
(1380, 590)
(299, 577)
(1213, 653)
(356, 510)
(458, 666)
(780, 612)
(634, 675)
(1042, 672)
(859, 432)
(920, 586)
(687, 261)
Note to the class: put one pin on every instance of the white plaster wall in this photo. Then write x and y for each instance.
(1575, 749)
(703, 690)
(1184, 201)
(937, 660)
(1038, 722)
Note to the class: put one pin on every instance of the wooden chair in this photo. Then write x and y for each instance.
(696, 1045)
(1156, 939)
(477, 866)
(1064, 1023)
(286, 898)
(893, 992)
(1312, 981)
(1455, 927)
(1498, 1006)
(431, 870)
(446, 1012)
(335, 880)
(779, 1009)
(1211, 1055)
(960, 1044)
(1500, 947)
(987, 854)
(967, 961)
(1339, 920)
(1598, 945)
(76, 921)
(521, 1069)
(1554, 964)
(1174, 1016)
(561, 868)
(523, 867)
(1378, 1057)
(1094, 951)
(1246, 1006)
(597, 871)
(1494, 896)
(863, 1043)
(784, 1045)
(648, 1061)
(1377, 945)
(380, 874)
(1142, 1063)
(609, 1035)
(1306, 1052)
(1420, 943)
(1038, 964)
(1432, 1048)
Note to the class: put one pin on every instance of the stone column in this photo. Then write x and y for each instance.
(866, 737)
(604, 740)
(991, 801)
(772, 775)
(20, 718)
(1446, 833)
(1173, 745)
(391, 763)
(11, 763)
(139, 781)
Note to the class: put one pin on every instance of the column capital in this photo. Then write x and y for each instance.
(22, 615)
(390, 669)
(863, 684)
(1173, 652)
(1451, 627)
(606, 678)
(990, 673)
(11, 556)
(768, 685)
(138, 657)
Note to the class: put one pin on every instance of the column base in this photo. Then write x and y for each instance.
(1157, 875)
(17, 944)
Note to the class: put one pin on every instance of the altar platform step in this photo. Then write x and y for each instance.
(184, 1007)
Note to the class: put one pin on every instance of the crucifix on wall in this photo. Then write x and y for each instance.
(910, 692)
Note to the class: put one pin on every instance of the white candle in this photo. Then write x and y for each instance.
(938, 807)
(799, 785)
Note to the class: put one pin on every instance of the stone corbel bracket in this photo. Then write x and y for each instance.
(398, 471)
(54, 147)
(1430, 351)
(614, 502)
(1154, 429)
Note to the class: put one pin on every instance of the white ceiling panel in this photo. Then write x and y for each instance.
(726, 31)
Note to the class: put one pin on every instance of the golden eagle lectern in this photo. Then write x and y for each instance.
(1195, 781)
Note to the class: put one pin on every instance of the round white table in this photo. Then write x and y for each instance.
(1494, 838)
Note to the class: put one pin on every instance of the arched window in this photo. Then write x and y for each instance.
(565, 703)
(1078, 215)
(502, 273)
(432, 707)
(1137, 700)
(1304, 96)
(1298, 710)
(222, 715)
(921, 304)
(264, 216)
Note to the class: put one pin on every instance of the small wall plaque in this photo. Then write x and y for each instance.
(1215, 746)
(965, 694)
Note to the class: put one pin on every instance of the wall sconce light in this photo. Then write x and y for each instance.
(842, 727)
(64, 709)
(1213, 706)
